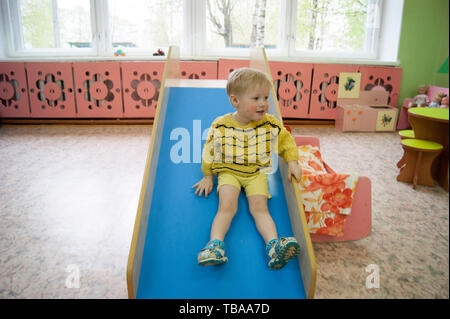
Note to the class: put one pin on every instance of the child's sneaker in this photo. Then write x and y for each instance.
(213, 253)
(280, 251)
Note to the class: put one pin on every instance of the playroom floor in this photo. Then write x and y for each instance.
(69, 194)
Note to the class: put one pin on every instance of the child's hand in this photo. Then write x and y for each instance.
(294, 170)
(205, 185)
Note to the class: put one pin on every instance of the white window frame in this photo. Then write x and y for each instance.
(101, 37)
(286, 48)
(138, 53)
(193, 45)
(200, 48)
(372, 38)
(199, 41)
(13, 27)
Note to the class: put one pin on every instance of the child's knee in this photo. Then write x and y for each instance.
(227, 210)
(228, 199)
(259, 212)
(258, 207)
(228, 207)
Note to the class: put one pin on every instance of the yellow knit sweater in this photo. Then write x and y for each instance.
(246, 150)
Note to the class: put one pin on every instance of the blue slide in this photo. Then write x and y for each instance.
(179, 221)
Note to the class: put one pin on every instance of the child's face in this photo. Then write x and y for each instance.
(253, 104)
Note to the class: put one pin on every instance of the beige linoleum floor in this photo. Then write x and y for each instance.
(69, 194)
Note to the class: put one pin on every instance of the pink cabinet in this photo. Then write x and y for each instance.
(368, 113)
(226, 66)
(51, 89)
(198, 70)
(141, 85)
(13, 90)
(131, 89)
(382, 78)
(98, 89)
(324, 89)
(292, 82)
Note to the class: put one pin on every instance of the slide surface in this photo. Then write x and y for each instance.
(179, 222)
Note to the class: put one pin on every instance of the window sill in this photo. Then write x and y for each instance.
(82, 59)
(321, 60)
(202, 58)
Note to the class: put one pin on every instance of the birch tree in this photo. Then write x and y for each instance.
(313, 24)
(331, 25)
(222, 25)
(259, 16)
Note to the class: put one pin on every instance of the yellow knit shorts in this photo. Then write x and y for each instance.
(253, 185)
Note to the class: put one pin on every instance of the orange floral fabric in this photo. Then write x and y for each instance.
(327, 197)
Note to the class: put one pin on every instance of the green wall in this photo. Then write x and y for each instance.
(424, 45)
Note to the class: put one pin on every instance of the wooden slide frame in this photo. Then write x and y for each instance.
(306, 258)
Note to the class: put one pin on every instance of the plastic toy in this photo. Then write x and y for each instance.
(119, 52)
(159, 53)
(444, 102)
(403, 122)
(437, 98)
(420, 99)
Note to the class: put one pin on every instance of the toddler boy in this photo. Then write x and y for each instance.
(238, 150)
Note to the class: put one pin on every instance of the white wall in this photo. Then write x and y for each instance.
(390, 30)
(2, 38)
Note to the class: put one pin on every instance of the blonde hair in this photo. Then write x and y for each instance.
(240, 80)
(423, 86)
(439, 96)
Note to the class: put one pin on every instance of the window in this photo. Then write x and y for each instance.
(288, 29)
(91, 27)
(43, 25)
(240, 24)
(55, 24)
(337, 27)
(145, 24)
(292, 27)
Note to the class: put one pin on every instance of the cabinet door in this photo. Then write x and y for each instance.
(226, 66)
(141, 87)
(324, 89)
(98, 89)
(13, 90)
(292, 82)
(51, 90)
(198, 70)
(382, 78)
